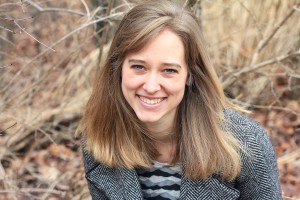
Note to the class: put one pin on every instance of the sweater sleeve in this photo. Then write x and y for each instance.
(89, 164)
(96, 193)
(259, 177)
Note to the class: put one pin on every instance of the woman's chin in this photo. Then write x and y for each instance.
(148, 119)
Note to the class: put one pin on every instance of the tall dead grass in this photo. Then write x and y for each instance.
(253, 44)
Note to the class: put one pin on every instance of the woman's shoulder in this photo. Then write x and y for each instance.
(249, 133)
(259, 173)
(242, 126)
(254, 139)
(237, 117)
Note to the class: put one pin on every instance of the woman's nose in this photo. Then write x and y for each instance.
(152, 84)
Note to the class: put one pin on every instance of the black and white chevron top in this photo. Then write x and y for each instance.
(161, 182)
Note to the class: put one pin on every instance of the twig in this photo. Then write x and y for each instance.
(261, 42)
(37, 190)
(291, 74)
(3, 131)
(22, 5)
(82, 27)
(8, 183)
(268, 62)
(5, 66)
(86, 8)
(54, 184)
(41, 9)
(6, 40)
(7, 29)
(11, 19)
(24, 18)
(38, 82)
(7, 4)
(296, 8)
(277, 98)
(269, 107)
(2, 172)
(104, 35)
(58, 42)
(15, 22)
(252, 16)
(252, 68)
(127, 5)
(290, 157)
(265, 43)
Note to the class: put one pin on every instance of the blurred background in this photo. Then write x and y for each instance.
(50, 51)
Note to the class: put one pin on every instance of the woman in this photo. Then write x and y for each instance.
(158, 126)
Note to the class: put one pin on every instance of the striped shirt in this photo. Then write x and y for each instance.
(161, 182)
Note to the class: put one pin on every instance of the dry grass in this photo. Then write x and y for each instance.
(247, 39)
(42, 92)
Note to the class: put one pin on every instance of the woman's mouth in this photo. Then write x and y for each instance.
(151, 101)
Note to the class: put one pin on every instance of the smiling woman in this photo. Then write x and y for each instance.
(154, 80)
(158, 125)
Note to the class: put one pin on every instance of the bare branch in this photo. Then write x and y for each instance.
(41, 9)
(261, 42)
(3, 131)
(252, 68)
(21, 19)
(32, 36)
(86, 25)
(86, 7)
(105, 34)
(58, 42)
(127, 5)
(290, 157)
(252, 16)
(296, 8)
(7, 29)
(269, 107)
(265, 43)
(6, 18)
(7, 4)
(268, 62)
(37, 190)
(5, 66)
(22, 6)
(22, 29)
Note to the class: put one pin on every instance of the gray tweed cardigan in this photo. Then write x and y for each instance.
(258, 178)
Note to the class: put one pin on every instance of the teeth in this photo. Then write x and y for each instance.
(152, 101)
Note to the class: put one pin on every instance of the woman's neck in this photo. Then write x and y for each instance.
(165, 140)
(166, 151)
(162, 131)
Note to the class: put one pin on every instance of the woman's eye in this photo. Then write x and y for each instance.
(138, 67)
(170, 71)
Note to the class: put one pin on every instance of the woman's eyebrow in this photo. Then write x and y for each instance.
(167, 64)
(136, 61)
(171, 65)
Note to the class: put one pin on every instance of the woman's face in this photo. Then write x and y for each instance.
(154, 78)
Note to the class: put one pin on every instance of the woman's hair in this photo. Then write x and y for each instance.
(115, 136)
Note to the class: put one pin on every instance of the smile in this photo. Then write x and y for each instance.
(151, 101)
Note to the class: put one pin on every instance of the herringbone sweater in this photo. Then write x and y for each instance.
(258, 179)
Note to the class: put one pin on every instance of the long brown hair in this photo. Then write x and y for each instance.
(114, 135)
